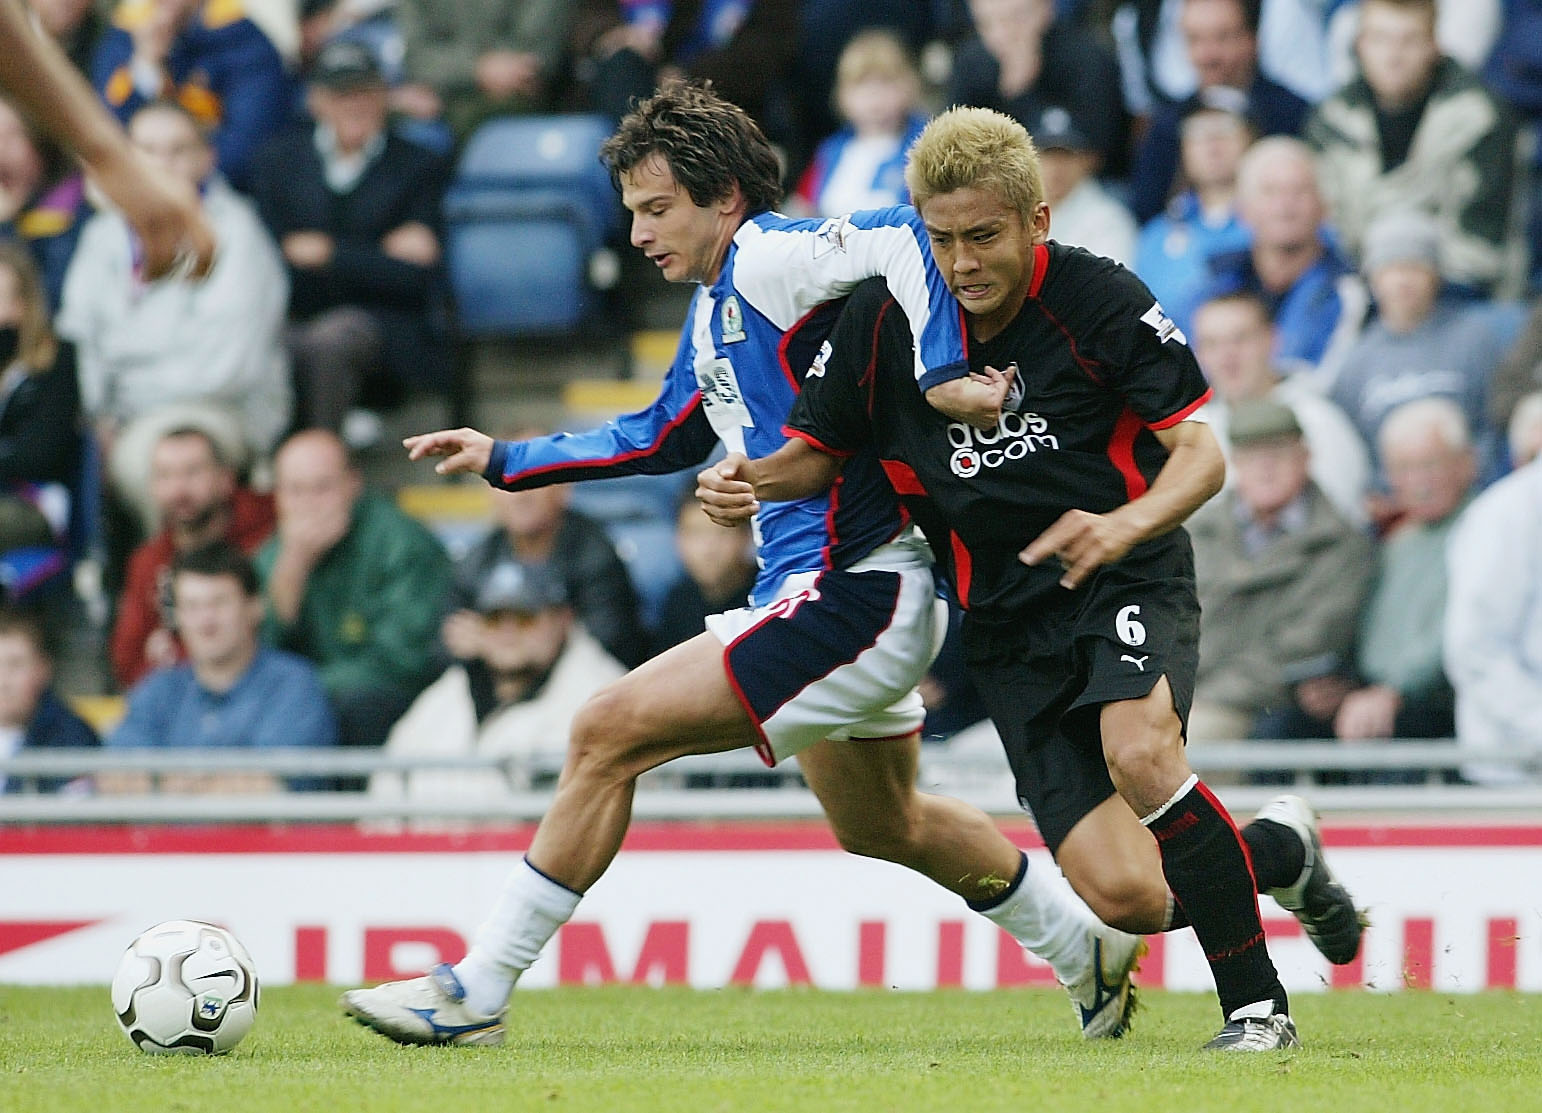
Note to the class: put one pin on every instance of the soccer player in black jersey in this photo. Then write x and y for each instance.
(1058, 519)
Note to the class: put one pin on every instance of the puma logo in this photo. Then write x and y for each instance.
(1138, 662)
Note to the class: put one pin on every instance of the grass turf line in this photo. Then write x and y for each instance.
(609, 1049)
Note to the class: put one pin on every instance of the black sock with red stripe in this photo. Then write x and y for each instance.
(1206, 864)
(1277, 856)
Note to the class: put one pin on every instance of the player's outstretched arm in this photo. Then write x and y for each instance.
(1084, 542)
(165, 213)
(465, 451)
(731, 490)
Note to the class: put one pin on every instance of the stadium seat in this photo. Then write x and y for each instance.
(556, 154)
(526, 219)
(647, 548)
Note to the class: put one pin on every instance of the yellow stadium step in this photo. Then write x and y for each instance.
(652, 351)
(445, 502)
(102, 712)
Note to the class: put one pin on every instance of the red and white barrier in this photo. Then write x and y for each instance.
(1453, 907)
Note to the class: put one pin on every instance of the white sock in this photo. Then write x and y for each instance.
(1045, 915)
(529, 911)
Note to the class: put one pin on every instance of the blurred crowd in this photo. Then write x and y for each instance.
(1338, 202)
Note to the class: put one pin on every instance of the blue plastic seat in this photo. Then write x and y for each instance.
(529, 208)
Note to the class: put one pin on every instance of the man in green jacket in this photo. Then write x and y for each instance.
(353, 584)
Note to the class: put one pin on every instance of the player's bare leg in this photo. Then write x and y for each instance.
(678, 703)
(1112, 863)
(868, 791)
(1205, 862)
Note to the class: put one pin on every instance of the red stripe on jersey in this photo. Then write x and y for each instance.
(902, 478)
(1185, 413)
(781, 349)
(1040, 268)
(963, 570)
(1089, 366)
(815, 442)
(1121, 451)
(691, 406)
(832, 531)
(870, 376)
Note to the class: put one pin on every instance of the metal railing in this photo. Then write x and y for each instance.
(979, 776)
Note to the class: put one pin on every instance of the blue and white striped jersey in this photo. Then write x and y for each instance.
(745, 346)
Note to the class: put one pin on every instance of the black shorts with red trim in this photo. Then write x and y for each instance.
(1045, 676)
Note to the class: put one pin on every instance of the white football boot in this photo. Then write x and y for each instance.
(427, 1010)
(1256, 1028)
(1104, 997)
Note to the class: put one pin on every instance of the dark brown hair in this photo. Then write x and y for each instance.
(218, 558)
(25, 624)
(710, 144)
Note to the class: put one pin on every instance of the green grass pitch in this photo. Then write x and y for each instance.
(615, 1049)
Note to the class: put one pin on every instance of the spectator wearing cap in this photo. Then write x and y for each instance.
(1234, 343)
(1081, 212)
(1417, 130)
(1173, 251)
(1221, 39)
(1418, 346)
(529, 668)
(231, 693)
(355, 210)
(1281, 577)
(208, 57)
(537, 527)
(1313, 295)
(1024, 60)
(353, 584)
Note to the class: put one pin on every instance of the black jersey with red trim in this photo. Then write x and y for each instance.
(1099, 367)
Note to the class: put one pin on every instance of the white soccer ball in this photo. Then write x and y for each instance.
(185, 988)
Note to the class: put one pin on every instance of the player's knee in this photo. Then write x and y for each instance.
(1124, 897)
(602, 736)
(890, 838)
(1144, 757)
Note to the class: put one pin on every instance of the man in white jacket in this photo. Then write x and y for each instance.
(515, 699)
(1493, 626)
(207, 353)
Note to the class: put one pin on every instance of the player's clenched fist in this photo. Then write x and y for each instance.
(727, 497)
(464, 450)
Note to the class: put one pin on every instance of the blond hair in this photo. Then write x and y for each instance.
(37, 347)
(876, 53)
(980, 148)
